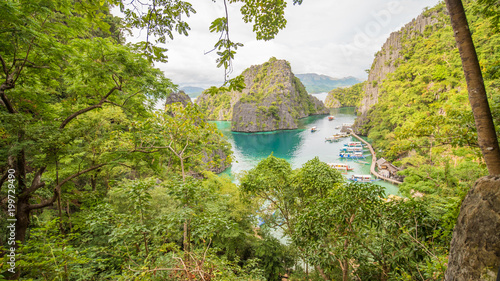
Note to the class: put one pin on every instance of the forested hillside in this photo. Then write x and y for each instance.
(417, 113)
(342, 97)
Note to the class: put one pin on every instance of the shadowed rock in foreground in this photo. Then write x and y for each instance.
(475, 246)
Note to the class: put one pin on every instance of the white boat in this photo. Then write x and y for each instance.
(351, 149)
(361, 178)
(330, 118)
(332, 138)
(314, 129)
(354, 144)
(341, 166)
(351, 155)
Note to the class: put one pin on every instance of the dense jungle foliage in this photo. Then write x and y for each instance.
(423, 120)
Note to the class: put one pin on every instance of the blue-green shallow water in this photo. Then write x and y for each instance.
(296, 146)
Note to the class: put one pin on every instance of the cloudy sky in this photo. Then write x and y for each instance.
(332, 37)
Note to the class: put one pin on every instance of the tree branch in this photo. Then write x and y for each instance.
(79, 112)
(58, 187)
(5, 100)
(35, 184)
(4, 67)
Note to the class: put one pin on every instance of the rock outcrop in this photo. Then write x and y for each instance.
(331, 102)
(274, 99)
(216, 160)
(178, 97)
(386, 62)
(475, 246)
(218, 107)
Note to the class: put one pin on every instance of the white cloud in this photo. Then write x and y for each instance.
(331, 37)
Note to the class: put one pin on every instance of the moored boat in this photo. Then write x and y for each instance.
(352, 155)
(340, 166)
(332, 138)
(354, 144)
(351, 149)
(361, 178)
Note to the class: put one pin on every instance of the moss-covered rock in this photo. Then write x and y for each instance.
(218, 107)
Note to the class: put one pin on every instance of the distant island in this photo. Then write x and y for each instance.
(192, 92)
(318, 83)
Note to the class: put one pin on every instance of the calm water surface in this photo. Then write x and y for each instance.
(296, 146)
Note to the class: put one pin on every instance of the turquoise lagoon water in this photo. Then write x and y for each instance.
(296, 146)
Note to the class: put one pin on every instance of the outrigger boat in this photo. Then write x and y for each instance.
(362, 178)
(332, 138)
(349, 155)
(313, 129)
(330, 118)
(354, 144)
(340, 167)
(341, 135)
(351, 149)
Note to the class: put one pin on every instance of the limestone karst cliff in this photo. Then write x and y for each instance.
(180, 96)
(218, 107)
(386, 61)
(216, 160)
(273, 99)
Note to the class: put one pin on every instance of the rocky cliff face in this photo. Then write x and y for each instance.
(475, 246)
(331, 102)
(274, 99)
(218, 107)
(215, 160)
(178, 97)
(386, 62)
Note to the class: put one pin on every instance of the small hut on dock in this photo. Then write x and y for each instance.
(386, 168)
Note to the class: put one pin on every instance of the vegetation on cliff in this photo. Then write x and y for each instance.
(218, 107)
(421, 118)
(344, 97)
(274, 99)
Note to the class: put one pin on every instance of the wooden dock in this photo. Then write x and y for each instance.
(374, 160)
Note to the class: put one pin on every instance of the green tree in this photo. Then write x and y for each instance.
(285, 193)
(53, 75)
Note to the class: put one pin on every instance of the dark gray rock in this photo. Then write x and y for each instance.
(475, 246)
(178, 97)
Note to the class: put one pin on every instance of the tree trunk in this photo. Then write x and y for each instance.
(486, 134)
(345, 270)
(322, 273)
